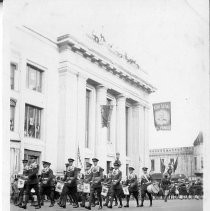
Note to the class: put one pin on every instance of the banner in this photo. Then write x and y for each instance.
(106, 111)
(162, 116)
(176, 164)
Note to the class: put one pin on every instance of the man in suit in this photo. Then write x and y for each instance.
(116, 186)
(32, 182)
(70, 186)
(132, 184)
(145, 181)
(47, 185)
(96, 177)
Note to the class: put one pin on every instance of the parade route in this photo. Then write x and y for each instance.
(158, 205)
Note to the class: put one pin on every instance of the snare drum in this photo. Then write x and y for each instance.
(59, 186)
(21, 183)
(86, 188)
(153, 188)
(125, 190)
(104, 191)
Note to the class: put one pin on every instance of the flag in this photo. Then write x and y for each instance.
(162, 116)
(175, 164)
(162, 166)
(79, 162)
(106, 111)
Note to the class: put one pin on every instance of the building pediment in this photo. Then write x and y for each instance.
(97, 55)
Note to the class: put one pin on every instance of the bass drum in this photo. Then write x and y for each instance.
(153, 188)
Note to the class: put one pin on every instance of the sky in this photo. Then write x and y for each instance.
(168, 38)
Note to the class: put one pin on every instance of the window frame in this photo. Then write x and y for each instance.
(37, 70)
(14, 74)
(14, 108)
(87, 118)
(35, 117)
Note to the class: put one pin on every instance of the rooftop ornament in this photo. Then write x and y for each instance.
(100, 39)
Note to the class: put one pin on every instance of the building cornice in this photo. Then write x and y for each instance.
(68, 42)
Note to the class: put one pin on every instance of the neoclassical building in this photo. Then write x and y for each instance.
(57, 91)
(190, 159)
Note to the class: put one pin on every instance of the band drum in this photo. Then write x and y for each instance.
(153, 188)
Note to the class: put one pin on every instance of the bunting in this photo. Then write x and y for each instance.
(176, 164)
(162, 166)
(106, 111)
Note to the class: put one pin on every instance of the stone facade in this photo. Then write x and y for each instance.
(78, 76)
(190, 159)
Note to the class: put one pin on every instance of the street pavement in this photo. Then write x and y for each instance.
(158, 205)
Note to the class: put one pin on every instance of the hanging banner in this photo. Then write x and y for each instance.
(106, 112)
(162, 116)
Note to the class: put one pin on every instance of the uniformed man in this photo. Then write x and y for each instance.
(70, 185)
(145, 181)
(23, 176)
(108, 183)
(165, 185)
(132, 184)
(116, 185)
(97, 176)
(87, 179)
(47, 184)
(80, 179)
(32, 182)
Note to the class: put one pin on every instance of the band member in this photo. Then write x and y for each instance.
(87, 179)
(198, 189)
(24, 176)
(132, 184)
(108, 183)
(70, 185)
(32, 182)
(47, 184)
(145, 181)
(97, 176)
(165, 185)
(80, 179)
(116, 186)
(118, 158)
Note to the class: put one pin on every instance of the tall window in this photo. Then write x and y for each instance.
(195, 162)
(87, 121)
(126, 129)
(32, 121)
(12, 114)
(34, 78)
(201, 162)
(109, 102)
(152, 165)
(172, 160)
(13, 68)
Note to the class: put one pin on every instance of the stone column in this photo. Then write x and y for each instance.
(101, 132)
(67, 115)
(121, 132)
(81, 114)
(146, 137)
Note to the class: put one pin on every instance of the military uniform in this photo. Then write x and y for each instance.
(165, 184)
(32, 183)
(87, 179)
(132, 184)
(96, 177)
(47, 184)
(70, 185)
(116, 185)
(145, 181)
(24, 177)
(108, 182)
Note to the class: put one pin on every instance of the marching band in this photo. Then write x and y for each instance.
(85, 188)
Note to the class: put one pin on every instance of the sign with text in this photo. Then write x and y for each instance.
(162, 115)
